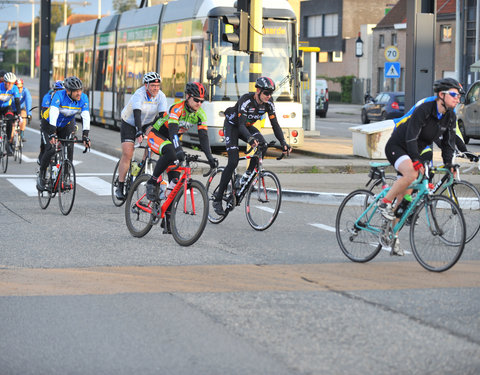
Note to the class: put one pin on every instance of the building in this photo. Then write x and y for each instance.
(9, 37)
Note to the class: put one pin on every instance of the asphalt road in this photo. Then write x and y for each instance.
(80, 295)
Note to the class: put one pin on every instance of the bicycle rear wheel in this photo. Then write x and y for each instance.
(189, 213)
(45, 196)
(359, 238)
(67, 187)
(263, 200)
(139, 222)
(211, 188)
(4, 152)
(467, 197)
(437, 233)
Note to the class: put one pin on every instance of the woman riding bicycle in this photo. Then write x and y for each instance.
(238, 123)
(429, 121)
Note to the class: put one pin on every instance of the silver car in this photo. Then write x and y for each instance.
(468, 113)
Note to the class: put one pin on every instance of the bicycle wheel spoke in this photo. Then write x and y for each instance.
(189, 214)
(357, 235)
(263, 201)
(67, 187)
(437, 234)
(211, 187)
(139, 222)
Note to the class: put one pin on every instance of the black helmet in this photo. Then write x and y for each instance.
(265, 83)
(195, 89)
(151, 77)
(2, 73)
(72, 83)
(446, 84)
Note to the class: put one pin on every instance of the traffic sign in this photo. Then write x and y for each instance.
(392, 70)
(392, 53)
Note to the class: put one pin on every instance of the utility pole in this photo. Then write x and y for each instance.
(45, 18)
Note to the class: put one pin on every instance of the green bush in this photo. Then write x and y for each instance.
(335, 96)
(346, 82)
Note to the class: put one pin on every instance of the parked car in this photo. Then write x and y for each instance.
(386, 105)
(321, 88)
(468, 113)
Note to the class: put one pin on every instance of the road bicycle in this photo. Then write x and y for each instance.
(437, 227)
(60, 177)
(463, 193)
(3, 145)
(135, 169)
(183, 212)
(261, 190)
(17, 141)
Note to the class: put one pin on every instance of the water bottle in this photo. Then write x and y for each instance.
(403, 205)
(163, 188)
(245, 177)
(135, 168)
(55, 171)
(170, 187)
(238, 183)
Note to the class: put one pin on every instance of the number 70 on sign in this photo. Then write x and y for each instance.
(392, 53)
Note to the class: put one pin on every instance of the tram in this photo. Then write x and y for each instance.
(182, 40)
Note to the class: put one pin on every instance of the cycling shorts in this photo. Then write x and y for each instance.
(156, 141)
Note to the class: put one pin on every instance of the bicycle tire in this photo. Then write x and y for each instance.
(467, 197)
(20, 150)
(349, 235)
(128, 178)
(15, 138)
(211, 188)
(139, 222)
(263, 200)
(437, 233)
(189, 213)
(67, 187)
(45, 196)
(376, 188)
(4, 161)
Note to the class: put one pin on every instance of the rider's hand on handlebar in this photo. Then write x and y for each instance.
(286, 149)
(472, 157)
(213, 162)
(252, 142)
(53, 138)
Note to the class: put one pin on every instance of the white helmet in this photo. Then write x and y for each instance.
(10, 77)
(151, 77)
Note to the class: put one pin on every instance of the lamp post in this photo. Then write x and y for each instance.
(32, 43)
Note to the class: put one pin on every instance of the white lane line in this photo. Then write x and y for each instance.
(323, 226)
(268, 209)
(26, 185)
(95, 185)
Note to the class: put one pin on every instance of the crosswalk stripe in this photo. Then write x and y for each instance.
(95, 185)
(323, 226)
(26, 185)
(26, 159)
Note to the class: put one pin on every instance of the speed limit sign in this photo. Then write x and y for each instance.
(392, 53)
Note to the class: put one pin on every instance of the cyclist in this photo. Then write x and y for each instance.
(25, 106)
(2, 73)
(144, 107)
(430, 121)
(163, 139)
(59, 120)
(9, 95)
(238, 124)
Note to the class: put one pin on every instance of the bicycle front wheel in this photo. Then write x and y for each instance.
(189, 213)
(212, 187)
(437, 233)
(67, 187)
(45, 196)
(263, 200)
(3, 150)
(467, 197)
(357, 229)
(119, 202)
(138, 220)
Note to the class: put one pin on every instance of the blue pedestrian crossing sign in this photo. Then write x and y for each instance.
(392, 70)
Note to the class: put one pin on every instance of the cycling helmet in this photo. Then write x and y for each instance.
(19, 82)
(10, 77)
(58, 85)
(445, 84)
(265, 83)
(151, 77)
(195, 89)
(73, 83)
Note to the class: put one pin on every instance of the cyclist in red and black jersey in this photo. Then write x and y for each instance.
(239, 121)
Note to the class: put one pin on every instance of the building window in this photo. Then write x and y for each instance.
(323, 57)
(394, 39)
(315, 24)
(446, 33)
(331, 24)
(337, 56)
(381, 41)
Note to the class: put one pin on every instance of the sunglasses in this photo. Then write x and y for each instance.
(267, 93)
(453, 94)
(196, 100)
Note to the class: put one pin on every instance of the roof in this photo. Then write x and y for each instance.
(77, 18)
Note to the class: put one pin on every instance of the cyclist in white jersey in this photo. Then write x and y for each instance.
(145, 106)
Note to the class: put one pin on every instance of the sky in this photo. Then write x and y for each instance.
(8, 12)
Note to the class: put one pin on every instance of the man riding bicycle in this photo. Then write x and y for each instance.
(25, 106)
(144, 107)
(238, 123)
(164, 137)
(59, 122)
(8, 95)
(430, 121)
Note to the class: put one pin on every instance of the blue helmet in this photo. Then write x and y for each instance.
(58, 85)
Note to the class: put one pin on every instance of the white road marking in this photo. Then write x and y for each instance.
(26, 185)
(95, 185)
(323, 226)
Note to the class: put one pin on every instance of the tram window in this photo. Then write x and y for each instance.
(108, 84)
(167, 71)
(181, 67)
(195, 61)
(87, 70)
(139, 67)
(130, 71)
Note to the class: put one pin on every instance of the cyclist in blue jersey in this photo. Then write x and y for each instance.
(25, 106)
(59, 122)
(8, 95)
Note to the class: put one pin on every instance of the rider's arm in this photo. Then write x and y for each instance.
(52, 119)
(137, 116)
(448, 139)
(277, 130)
(17, 105)
(28, 102)
(414, 127)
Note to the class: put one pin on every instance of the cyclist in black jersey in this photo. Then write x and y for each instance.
(238, 123)
(430, 121)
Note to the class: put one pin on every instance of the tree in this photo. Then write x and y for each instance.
(57, 15)
(121, 6)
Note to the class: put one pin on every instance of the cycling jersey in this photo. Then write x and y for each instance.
(25, 101)
(67, 108)
(7, 96)
(247, 111)
(148, 105)
(182, 120)
(423, 127)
